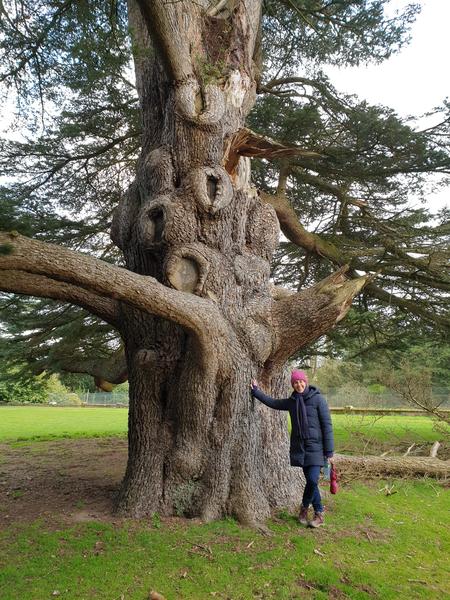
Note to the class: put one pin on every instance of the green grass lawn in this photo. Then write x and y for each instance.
(368, 433)
(352, 432)
(383, 428)
(21, 423)
(372, 545)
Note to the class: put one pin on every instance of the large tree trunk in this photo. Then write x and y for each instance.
(195, 307)
(198, 443)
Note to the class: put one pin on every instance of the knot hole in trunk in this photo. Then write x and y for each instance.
(211, 187)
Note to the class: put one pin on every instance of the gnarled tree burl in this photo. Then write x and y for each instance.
(194, 305)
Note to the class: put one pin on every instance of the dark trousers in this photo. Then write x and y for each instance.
(311, 495)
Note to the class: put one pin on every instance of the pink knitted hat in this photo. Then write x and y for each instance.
(297, 375)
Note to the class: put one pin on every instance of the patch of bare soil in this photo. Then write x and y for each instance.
(65, 480)
(334, 593)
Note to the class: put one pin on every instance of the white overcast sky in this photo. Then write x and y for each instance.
(415, 80)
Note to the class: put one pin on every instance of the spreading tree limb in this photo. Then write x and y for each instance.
(106, 372)
(198, 315)
(296, 233)
(21, 282)
(303, 317)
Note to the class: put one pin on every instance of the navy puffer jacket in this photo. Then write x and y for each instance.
(320, 443)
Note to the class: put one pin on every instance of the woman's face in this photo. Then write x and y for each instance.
(299, 386)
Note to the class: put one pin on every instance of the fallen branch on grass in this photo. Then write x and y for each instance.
(370, 466)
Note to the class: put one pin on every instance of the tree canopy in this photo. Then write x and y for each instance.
(339, 172)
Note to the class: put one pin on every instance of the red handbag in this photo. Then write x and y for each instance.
(334, 486)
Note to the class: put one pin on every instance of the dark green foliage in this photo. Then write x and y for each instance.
(368, 154)
(16, 389)
(346, 32)
(76, 382)
(68, 64)
(6, 249)
(75, 137)
(71, 163)
(52, 337)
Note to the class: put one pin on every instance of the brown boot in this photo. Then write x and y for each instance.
(303, 516)
(318, 520)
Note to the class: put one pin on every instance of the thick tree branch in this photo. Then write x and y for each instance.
(296, 233)
(107, 372)
(174, 28)
(198, 315)
(21, 282)
(300, 318)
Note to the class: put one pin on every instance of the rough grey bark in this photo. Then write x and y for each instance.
(197, 313)
(198, 442)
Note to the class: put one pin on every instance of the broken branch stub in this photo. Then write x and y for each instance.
(246, 142)
(151, 225)
(184, 274)
(187, 269)
(201, 107)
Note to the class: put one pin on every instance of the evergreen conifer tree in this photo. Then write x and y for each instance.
(185, 287)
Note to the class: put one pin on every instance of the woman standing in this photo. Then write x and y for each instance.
(311, 438)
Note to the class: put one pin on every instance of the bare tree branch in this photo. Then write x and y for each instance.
(198, 315)
(21, 282)
(296, 233)
(322, 305)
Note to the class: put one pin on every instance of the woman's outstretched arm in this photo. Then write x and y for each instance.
(267, 400)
